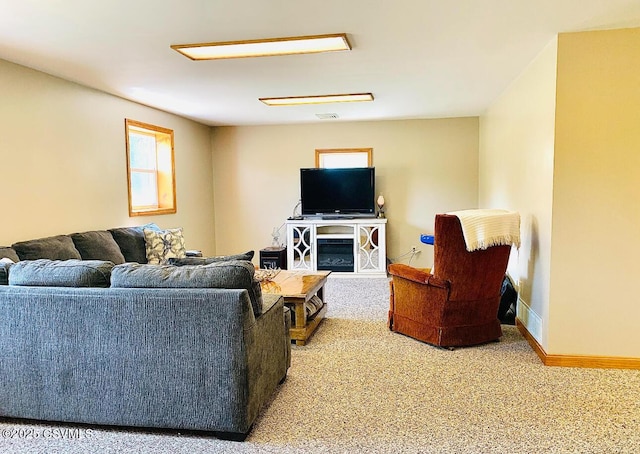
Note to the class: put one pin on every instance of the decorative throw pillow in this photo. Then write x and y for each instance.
(208, 260)
(61, 273)
(161, 245)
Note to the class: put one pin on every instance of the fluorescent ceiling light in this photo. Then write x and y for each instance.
(264, 47)
(324, 99)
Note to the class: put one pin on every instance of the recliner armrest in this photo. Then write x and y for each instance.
(416, 275)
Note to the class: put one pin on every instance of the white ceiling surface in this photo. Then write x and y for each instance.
(419, 58)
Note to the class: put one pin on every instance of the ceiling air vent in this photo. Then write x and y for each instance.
(327, 116)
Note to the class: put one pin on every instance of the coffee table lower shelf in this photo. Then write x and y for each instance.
(297, 288)
(301, 334)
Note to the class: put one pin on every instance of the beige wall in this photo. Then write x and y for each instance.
(573, 174)
(423, 167)
(594, 301)
(62, 155)
(516, 173)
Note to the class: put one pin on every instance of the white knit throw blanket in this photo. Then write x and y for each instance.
(485, 228)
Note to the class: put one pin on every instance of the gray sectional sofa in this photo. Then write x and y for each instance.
(85, 340)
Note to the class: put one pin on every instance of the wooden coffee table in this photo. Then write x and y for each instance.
(297, 288)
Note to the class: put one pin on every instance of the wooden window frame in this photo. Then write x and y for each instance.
(164, 171)
(320, 152)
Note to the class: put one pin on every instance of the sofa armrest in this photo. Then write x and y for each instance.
(268, 348)
(416, 275)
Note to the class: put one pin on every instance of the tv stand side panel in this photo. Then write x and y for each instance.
(369, 239)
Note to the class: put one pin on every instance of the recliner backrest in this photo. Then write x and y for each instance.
(473, 275)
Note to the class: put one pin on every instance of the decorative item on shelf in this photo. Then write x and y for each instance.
(380, 203)
(275, 237)
(297, 210)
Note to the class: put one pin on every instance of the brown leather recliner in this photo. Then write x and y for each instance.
(458, 304)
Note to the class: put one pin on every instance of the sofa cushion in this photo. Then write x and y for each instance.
(7, 258)
(4, 274)
(162, 245)
(131, 242)
(208, 260)
(59, 247)
(61, 273)
(236, 274)
(9, 253)
(5, 264)
(98, 245)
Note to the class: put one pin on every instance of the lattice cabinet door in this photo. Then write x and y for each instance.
(371, 246)
(301, 247)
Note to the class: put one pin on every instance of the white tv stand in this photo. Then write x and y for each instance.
(347, 247)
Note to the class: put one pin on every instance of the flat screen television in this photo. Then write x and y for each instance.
(343, 192)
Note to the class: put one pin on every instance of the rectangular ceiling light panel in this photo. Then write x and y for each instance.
(325, 99)
(264, 47)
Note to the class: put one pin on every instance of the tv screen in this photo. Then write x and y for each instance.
(338, 192)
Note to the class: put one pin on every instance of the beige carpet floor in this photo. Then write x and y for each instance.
(357, 388)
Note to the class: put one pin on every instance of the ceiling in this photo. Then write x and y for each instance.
(419, 58)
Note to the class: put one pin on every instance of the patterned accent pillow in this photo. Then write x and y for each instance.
(161, 245)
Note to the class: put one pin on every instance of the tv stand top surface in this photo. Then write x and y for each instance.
(330, 217)
(337, 219)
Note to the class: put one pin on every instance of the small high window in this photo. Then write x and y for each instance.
(344, 157)
(150, 169)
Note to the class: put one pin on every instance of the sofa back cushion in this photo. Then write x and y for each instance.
(9, 253)
(131, 242)
(209, 260)
(5, 264)
(98, 245)
(7, 258)
(236, 274)
(59, 247)
(61, 273)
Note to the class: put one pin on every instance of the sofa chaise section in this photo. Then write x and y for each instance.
(188, 358)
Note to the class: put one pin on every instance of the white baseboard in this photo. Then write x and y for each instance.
(531, 321)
